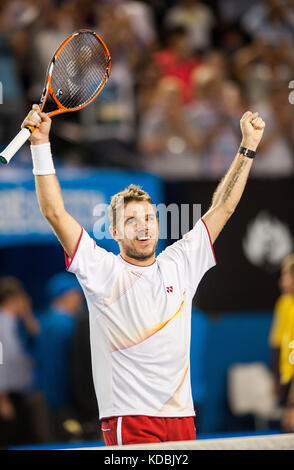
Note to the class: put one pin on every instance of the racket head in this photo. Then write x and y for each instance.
(77, 73)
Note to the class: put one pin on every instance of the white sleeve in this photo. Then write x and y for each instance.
(193, 255)
(91, 264)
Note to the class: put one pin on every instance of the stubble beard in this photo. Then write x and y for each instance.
(131, 252)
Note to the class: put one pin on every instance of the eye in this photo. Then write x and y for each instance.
(131, 221)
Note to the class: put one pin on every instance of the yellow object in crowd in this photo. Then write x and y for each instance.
(282, 336)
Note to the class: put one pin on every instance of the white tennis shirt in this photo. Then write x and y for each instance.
(140, 324)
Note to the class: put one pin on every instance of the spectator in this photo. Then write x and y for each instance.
(260, 64)
(56, 23)
(229, 38)
(197, 18)
(288, 417)
(53, 347)
(270, 20)
(217, 60)
(177, 61)
(230, 11)
(282, 343)
(279, 137)
(167, 138)
(147, 82)
(141, 18)
(23, 410)
(213, 120)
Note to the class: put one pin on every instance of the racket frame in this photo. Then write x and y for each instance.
(23, 135)
(48, 88)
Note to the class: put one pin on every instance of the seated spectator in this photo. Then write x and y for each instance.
(270, 20)
(196, 17)
(282, 343)
(166, 138)
(230, 11)
(215, 121)
(275, 154)
(217, 61)
(147, 83)
(178, 61)
(53, 347)
(23, 410)
(260, 64)
(229, 38)
(141, 18)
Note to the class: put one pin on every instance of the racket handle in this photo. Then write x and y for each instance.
(18, 141)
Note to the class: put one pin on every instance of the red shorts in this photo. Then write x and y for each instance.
(146, 429)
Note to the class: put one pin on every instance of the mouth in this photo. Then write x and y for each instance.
(144, 240)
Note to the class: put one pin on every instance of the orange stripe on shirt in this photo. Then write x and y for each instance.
(152, 330)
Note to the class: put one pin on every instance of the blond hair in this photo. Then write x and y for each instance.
(119, 200)
(288, 263)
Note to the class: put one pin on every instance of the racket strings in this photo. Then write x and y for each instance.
(79, 71)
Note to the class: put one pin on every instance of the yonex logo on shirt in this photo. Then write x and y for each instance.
(169, 289)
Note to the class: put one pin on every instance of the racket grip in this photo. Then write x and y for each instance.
(11, 149)
(18, 141)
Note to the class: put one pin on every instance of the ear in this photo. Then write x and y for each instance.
(114, 233)
(112, 230)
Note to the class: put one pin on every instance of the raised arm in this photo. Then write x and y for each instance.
(230, 189)
(66, 228)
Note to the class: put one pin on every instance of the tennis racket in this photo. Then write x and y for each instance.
(76, 75)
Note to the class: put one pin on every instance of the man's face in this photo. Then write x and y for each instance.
(137, 231)
(287, 282)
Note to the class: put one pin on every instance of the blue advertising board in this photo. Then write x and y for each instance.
(86, 193)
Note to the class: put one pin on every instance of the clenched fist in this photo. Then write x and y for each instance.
(40, 135)
(252, 127)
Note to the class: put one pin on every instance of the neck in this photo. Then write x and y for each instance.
(138, 262)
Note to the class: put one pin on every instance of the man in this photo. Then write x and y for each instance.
(140, 305)
(58, 325)
(282, 343)
(23, 411)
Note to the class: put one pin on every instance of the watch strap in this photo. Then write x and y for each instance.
(247, 152)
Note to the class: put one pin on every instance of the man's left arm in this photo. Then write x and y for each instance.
(230, 189)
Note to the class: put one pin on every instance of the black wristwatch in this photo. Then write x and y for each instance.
(247, 152)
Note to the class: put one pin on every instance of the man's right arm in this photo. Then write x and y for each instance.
(66, 228)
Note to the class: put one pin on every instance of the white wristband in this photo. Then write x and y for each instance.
(42, 159)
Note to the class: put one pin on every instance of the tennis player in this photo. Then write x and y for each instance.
(140, 305)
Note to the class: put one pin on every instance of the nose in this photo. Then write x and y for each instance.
(142, 226)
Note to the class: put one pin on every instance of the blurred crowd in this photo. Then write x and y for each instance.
(46, 387)
(184, 71)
